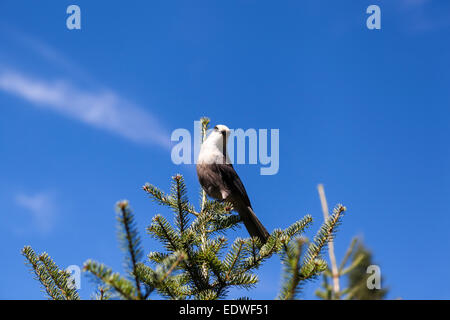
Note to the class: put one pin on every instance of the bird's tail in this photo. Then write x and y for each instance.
(252, 223)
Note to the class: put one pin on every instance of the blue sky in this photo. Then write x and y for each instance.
(86, 117)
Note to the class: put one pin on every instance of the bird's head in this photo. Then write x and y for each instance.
(223, 130)
(218, 137)
(220, 134)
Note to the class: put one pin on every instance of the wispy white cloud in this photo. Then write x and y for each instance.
(41, 206)
(91, 104)
(43, 52)
(103, 109)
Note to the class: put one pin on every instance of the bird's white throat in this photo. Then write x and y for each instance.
(212, 149)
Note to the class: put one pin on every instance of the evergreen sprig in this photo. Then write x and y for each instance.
(130, 242)
(122, 287)
(57, 283)
(354, 266)
(299, 266)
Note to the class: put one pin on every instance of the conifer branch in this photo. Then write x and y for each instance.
(130, 241)
(42, 274)
(163, 199)
(163, 231)
(204, 128)
(160, 279)
(233, 257)
(334, 268)
(181, 210)
(298, 270)
(355, 263)
(203, 228)
(102, 293)
(61, 278)
(292, 267)
(123, 287)
(347, 255)
(322, 237)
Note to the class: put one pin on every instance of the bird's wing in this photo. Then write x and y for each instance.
(233, 182)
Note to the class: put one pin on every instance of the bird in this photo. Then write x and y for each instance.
(221, 182)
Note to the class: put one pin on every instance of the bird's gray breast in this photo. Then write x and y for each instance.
(211, 180)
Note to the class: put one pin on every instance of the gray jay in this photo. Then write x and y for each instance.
(220, 181)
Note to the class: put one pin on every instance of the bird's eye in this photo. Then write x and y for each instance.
(215, 128)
